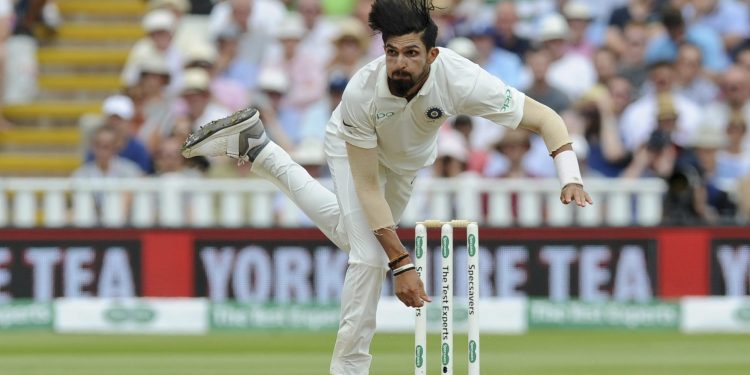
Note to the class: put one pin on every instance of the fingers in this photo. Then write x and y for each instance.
(415, 298)
(588, 198)
(577, 195)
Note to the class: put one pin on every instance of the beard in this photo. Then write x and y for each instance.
(401, 83)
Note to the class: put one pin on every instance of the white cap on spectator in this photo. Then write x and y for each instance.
(292, 27)
(577, 10)
(153, 64)
(552, 27)
(181, 5)
(273, 80)
(354, 28)
(464, 47)
(452, 143)
(709, 137)
(159, 20)
(119, 105)
(309, 152)
(201, 52)
(196, 79)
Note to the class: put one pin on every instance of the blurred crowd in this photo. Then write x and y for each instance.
(648, 88)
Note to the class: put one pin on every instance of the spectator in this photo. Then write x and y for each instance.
(152, 103)
(105, 162)
(507, 159)
(690, 78)
(497, 61)
(621, 93)
(476, 158)
(632, 54)
(538, 61)
(318, 30)
(568, 71)
(664, 46)
(31, 13)
(686, 197)
(242, 44)
(313, 125)
(230, 64)
(304, 68)
(280, 120)
(659, 155)
(706, 145)
(506, 20)
(228, 93)
(605, 64)
(351, 44)
(361, 12)
(735, 94)
(184, 33)
(453, 154)
(640, 12)
(169, 161)
(259, 15)
(444, 16)
(579, 17)
(733, 161)
(200, 106)
(118, 112)
(159, 25)
(597, 110)
(728, 17)
(640, 117)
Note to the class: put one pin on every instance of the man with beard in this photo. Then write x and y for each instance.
(382, 133)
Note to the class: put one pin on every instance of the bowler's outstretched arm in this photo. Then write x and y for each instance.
(542, 120)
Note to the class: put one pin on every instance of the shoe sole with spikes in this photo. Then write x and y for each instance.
(212, 138)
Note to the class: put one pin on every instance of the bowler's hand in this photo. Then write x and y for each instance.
(575, 193)
(410, 290)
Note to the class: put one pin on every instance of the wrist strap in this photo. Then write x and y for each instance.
(568, 171)
(397, 259)
(404, 268)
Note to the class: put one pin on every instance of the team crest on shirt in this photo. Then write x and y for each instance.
(434, 113)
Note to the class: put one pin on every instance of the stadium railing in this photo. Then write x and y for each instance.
(175, 202)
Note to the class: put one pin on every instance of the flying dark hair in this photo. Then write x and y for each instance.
(401, 17)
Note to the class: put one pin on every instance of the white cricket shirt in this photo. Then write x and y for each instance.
(405, 133)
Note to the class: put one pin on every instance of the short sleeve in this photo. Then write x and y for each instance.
(356, 126)
(492, 99)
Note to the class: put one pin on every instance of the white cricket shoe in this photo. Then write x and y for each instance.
(239, 136)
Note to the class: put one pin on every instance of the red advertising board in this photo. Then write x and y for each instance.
(301, 265)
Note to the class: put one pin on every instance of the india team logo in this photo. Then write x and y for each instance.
(434, 113)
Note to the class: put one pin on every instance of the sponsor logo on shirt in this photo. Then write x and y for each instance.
(508, 100)
(434, 113)
(383, 115)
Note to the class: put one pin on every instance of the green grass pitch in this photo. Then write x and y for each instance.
(284, 353)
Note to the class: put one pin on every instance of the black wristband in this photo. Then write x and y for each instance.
(397, 259)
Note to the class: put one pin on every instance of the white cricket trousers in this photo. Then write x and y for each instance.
(341, 219)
